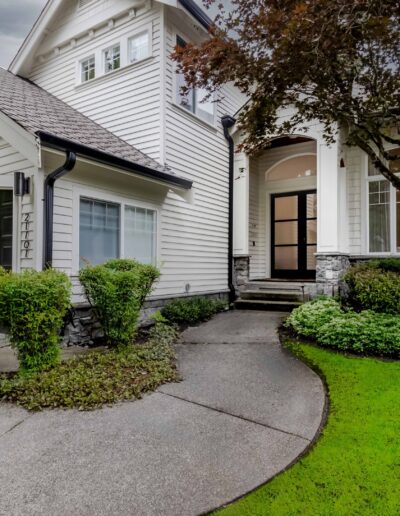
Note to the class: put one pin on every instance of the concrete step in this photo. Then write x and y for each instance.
(276, 285)
(273, 295)
(256, 304)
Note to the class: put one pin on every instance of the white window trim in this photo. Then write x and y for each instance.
(103, 58)
(125, 63)
(175, 103)
(102, 196)
(7, 183)
(392, 213)
(80, 63)
(135, 34)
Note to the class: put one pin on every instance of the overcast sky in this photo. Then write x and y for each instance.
(16, 19)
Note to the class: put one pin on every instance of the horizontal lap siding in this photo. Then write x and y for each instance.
(11, 161)
(355, 163)
(194, 237)
(127, 102)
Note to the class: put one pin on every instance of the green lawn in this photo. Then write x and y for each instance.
(354, 469)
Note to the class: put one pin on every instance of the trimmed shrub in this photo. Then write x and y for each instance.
(386, 264)
(32, 306)
(366, 332)
(307, 318)
(192, 311)
(372, 288)
(117, 290)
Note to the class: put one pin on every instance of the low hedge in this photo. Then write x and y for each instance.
(117, 290)
(371, 287)
(32, 308)
(191, 311)
(366, 332)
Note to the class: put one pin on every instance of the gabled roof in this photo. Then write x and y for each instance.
(59, 125)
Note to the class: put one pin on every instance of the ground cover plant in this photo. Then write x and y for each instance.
(32, 308)
(192, 311)
(117, 290)
(331, 326)
(98, 378)
(354, 467)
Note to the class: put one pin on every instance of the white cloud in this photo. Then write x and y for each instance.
(16, 20)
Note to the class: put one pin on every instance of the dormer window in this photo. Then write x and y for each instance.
(112, 58)
(139, 47)
(88, 69)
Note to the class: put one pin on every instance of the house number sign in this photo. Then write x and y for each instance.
(26, 243)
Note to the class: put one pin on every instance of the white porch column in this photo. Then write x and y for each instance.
(241, 205)
(332, 206)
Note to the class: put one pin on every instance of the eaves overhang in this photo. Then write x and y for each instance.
(62, 144)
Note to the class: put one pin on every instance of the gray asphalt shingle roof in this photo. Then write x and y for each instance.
(37, 110)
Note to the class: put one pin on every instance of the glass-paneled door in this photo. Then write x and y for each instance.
(294, 235)
(6, 228)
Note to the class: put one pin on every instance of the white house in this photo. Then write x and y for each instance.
(115, 163)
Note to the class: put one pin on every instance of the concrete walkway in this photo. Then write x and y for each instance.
(245, 410)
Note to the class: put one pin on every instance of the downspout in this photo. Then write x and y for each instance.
(228, 122)
(49, 206)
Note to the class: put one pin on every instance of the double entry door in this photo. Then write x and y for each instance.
(294, 235)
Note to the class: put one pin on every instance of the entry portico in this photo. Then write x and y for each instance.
(290, 211)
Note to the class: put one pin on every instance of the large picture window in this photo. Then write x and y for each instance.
(383, 212)
(112, 230)
(194, 100)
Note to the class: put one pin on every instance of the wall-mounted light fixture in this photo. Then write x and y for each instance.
(21, 184)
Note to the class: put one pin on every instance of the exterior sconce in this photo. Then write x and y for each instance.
(21, 184)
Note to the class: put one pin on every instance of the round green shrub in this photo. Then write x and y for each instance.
(33, 306)
(117, 290)
(372, 288)
(307, 318)
(191, 311)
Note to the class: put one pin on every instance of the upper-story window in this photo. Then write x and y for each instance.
(88, 69)
(139, 47)
(112, 58)
(194, 99)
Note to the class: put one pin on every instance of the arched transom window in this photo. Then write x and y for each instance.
(293, 168)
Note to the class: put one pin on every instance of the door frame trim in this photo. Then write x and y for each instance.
(286, 274)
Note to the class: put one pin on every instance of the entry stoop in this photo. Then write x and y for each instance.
(271, 295)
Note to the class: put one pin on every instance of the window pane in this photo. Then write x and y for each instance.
(98, 231)
(112, 59)
(140, 234)
(286, 207)
(286, 232)
(286, 258)
(88, 71)
(204, 109)
(292, 168)
(186, 99)
(311, 258)
(379, 216)
(139, 47)
(311, 205)
(398, 220)
(311, 231)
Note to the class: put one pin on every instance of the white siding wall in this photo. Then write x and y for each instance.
(259, 233)
(195, 237)
(127, 101)
(24, 216)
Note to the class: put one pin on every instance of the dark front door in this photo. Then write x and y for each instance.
(6, 225)
(294, 235)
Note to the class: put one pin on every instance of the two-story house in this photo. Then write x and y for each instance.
(113, 161)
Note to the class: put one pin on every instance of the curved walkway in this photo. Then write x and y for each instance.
(244, 411)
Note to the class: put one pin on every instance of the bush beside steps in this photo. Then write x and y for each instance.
(366, 332)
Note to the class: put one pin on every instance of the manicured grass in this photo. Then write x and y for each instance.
(90, 381)
(354, 469)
